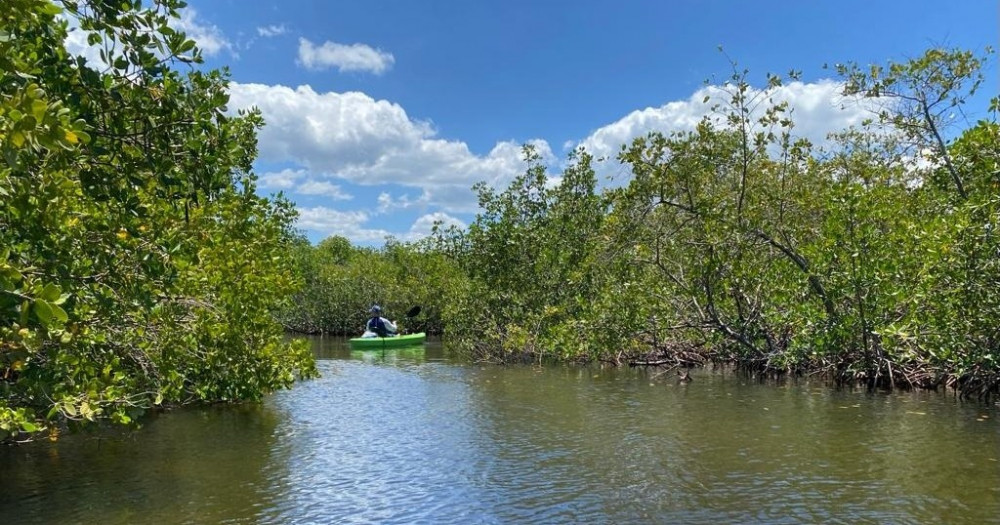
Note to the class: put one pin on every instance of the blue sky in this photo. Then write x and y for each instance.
(382, 114)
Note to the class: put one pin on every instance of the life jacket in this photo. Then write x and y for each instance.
(377, 325)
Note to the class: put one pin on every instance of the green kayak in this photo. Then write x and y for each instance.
(378, 343)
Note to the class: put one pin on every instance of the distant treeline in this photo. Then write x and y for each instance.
(341, 282)
(875, 258)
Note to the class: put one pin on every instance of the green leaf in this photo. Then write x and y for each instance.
(44, 311)
(50, 292)
(38, 108)
(59, 313)
(50, 9)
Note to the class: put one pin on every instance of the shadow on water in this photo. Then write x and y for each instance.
(188, 466)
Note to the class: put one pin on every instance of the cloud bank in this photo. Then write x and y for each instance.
(358, 139)
(817, 109)
(351, 224)
(355, 138)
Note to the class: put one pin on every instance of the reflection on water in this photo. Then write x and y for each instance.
(202, 465)
(410, 435)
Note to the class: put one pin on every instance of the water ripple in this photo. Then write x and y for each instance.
(414, 438)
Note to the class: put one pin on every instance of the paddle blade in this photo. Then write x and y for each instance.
(413, 311)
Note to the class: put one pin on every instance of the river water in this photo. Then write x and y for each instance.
(414, 436)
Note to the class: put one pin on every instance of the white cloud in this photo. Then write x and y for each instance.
(460, 198)
(300, 181)
(271, 30)
(354, 138)
(353, 57)
(351, 225)
(282, 180)
(817, 109)
(76, 43)
(208, 36)
(347, 224)
(387, 203)
(423, 226)
(369, 142)
(327, 189)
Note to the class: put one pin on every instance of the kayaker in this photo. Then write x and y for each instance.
(377, 325)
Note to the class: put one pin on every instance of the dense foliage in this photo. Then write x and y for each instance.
(343, 281)
(138, 268)
(876, 258)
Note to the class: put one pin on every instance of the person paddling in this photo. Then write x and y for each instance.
(377, 325)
